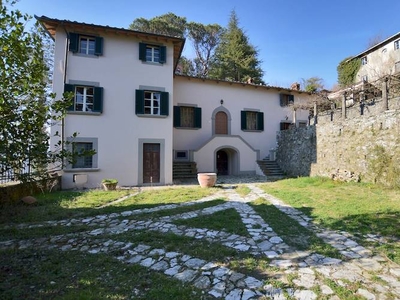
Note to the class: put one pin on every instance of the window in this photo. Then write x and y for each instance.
(81, 160)
(286, 99)
(302, 124)
(187, 117)
(152, 103)
(397, 45)
(181, 155)
(364, 60)
(86, 98)
(86, 45)
(397, 67)
(252, 120)
(285, 125)
(152, 53)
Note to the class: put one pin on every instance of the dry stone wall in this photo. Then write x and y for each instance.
(341, 148)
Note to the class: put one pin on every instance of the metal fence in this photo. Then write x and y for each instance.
(8, 174)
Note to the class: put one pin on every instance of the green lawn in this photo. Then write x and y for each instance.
(53, 274)
(353, 207)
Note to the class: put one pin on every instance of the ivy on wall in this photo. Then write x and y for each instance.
(347, 70)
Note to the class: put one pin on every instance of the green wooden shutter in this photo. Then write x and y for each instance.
(164, 106)
(73, 42)
(142, 51)
(98, 46)
(291, 99)
(70, 88)
(281, 100)
(243, 120)
(282, 126)
(139, 106)
(177, 116)
(163, 55)
(197, 117)
(260, 121)
(98, 99)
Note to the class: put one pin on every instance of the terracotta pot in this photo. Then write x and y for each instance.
(207, 179)
(109, 186)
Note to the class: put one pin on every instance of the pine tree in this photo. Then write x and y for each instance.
(235, 58)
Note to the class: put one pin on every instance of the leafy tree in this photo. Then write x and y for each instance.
(167, 24)
(205, 39)
(185, 67)
(347, 70)
(26, 106)
(313, 84)
(235, 58)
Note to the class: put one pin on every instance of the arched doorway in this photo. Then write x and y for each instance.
(221, 123)
(222, 163)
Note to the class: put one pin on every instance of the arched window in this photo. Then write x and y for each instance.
(221, 123)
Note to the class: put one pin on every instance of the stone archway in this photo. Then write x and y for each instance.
(227, 161)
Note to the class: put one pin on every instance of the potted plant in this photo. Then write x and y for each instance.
(109, 184)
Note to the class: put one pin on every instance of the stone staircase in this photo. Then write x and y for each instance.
(184, 170)
(270, 168)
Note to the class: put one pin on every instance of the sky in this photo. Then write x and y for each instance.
(296, 39)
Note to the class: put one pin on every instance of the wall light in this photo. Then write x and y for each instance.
(222, 101)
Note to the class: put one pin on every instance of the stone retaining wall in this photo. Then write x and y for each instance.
(342, 148)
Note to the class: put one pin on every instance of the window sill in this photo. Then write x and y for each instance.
(188, 128)
(86, 113)
(69, 170)
(248, 130)
(151, 116)
(152, 63)
(86, 55)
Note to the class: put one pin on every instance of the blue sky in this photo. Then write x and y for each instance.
(296, 39)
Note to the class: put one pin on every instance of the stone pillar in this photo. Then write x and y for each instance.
(385, 102)
(315, 113)
(344, 106)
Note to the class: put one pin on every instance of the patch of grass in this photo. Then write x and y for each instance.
(291, 231)
(188, 245)
(54, 274)
(227, 220)
(357, 208)
(168, 195)
(67, 204)
(243, 190)
(58, 205)
(175, 211)
(347, 292)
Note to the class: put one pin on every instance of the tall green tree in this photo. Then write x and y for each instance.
(167, 24)
(26, 105)
(205, 39)
(313, 84)
(235, 58)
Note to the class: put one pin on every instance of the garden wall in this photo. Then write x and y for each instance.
(12, 193)
(358, 147)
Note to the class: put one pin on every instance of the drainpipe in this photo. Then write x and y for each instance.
(64, 81)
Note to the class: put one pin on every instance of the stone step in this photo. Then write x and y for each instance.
(184, 170)
(270, 168)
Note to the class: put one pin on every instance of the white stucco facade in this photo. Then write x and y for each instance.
(380, 60)
(128, 140)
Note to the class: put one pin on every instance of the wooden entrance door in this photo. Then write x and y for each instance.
(222, 163)
(151, 163)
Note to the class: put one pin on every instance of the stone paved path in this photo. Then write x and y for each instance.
(308, 269)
